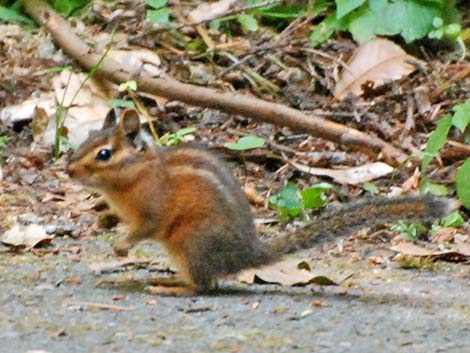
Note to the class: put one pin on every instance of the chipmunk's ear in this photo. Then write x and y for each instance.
(130, 124)
(110, 120)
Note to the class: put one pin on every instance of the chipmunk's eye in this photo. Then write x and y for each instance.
(103, 155)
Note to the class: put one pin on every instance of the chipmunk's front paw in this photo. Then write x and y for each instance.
(121, 247)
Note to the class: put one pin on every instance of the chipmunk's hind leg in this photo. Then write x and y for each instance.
(198, 283)
(221, 253)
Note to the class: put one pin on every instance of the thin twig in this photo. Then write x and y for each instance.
(99, 305)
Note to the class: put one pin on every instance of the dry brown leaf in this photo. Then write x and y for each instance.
(407, 248)
(379, 61)
(151, 301)
(352, 176)
(412, 182)
(286, 273)
(27, 236)
(462, 248)
(253, 196)
(444, 235)
(25, 110)
(205, 11)
(73, 280)
(138, 60)
(87, 112)
(39, 123)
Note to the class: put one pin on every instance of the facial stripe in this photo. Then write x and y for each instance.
(198, 159)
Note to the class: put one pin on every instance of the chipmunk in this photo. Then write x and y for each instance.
(188, 200)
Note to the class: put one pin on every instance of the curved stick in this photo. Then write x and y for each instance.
(278, 114)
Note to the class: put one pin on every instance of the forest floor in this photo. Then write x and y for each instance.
(66, 291)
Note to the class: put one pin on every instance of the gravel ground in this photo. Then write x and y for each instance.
(54, 303)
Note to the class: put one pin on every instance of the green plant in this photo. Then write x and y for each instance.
(460, 120)
(453, 220)
(274, 14)
(411, 19)
(426, 186)
(170, 139)
(3, 141)
(247, 143)
(452, 32)
(371, 188)
(410, 232)
(290, 202)
(159, 12)
(67, 7)
(13, 14)
(462, 182)
(121, 103)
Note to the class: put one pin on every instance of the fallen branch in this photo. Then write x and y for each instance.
(65, 37)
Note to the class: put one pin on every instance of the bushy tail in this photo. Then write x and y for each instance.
(365, 213)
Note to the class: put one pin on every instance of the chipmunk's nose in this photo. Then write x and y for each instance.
(70, 170)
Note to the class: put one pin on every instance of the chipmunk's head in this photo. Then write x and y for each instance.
(105, 153)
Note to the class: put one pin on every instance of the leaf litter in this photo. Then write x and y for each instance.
(286, 273)
(378, 61)
(380, 115)
(26, 236)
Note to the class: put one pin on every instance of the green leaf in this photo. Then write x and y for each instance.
(121, 103)
(3, 141)
(371, 188)
(247, 143)
(415, 18)
(171, 139)
(66, 7)
(453, 220)
(324, 30)
(437, 22)
(426, 186)
(344, 7)
(436, 141)
(10, 15)
(280, 11)
(129, 85)
(215, 24)
(461, 117)
(453, 30)
(254, 2)
(156, 4)
(364, 26)
(195, 44)
(160, 16)
(287, 202)
(409, 232)
(185, 131)
(411, 19)
(436, 34)
(462, 182)
(248, 22)
(314, 196)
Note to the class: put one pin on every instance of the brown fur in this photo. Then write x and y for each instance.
(189, 201)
